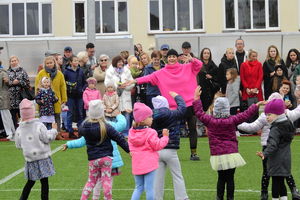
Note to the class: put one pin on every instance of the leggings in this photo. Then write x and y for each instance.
(225, 177)
(191, 121)
(278, 187)
(30, 184)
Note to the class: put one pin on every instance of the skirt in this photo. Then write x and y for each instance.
(47, 119)
(226, 161)
(39, 169)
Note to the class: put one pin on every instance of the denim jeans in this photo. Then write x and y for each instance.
(48, 125)
(64, 117)
(144, 182)
(128, 125)
(75, 107)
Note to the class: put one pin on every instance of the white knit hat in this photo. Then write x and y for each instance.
(96, 109)
(160, 102)
(221, 107)
(111, 83)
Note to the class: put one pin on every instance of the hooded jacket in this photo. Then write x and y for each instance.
(144, 144)
(224, 65)
(89, 95)
(278, 149)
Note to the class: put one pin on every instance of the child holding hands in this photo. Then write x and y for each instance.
(144, 144)
(223, 143)
(33, 138)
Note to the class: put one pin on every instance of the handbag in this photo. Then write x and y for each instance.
(27, 93)
(252, 100)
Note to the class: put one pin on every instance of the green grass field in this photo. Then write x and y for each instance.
(71, 172)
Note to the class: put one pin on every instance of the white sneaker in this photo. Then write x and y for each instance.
(283, 198)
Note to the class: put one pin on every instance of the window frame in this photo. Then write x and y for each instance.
(236, 16)
(40, 15)
(117, 32)
(191, 12)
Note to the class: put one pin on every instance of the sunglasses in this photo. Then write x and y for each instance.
(104, 60)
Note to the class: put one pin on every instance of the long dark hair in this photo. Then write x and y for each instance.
(201, 54)
(288, 59)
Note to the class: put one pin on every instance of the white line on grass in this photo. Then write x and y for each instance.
(16, 173)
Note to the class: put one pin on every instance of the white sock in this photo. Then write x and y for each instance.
(283, 198)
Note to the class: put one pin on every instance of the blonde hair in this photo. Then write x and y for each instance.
(131, 59)
(102, 125)
(12, 57)
(136, 124)
(229, 49)
(50, 58)
(148, 58)
(251, 51)
(277, 58)
(81, 55)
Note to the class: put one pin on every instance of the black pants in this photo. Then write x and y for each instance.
(191, 121)
(265, 179)
(30, 184)
(234, 110)
(15, 114)
(225, 177)
(278, 187)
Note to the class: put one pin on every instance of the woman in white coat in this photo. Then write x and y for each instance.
(119, 75)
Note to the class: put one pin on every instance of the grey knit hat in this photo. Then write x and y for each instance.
(221, 108)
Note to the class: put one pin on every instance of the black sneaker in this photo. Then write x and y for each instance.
(264, 195)
(194, 157)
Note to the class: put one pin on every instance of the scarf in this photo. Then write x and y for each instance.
(52, 72)
(110, 93)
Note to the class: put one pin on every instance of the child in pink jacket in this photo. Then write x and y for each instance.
(90, 93)
(144, 145)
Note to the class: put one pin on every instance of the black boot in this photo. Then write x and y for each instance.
(219, 198)
(264, 195)
(230, 198)
(295, 194)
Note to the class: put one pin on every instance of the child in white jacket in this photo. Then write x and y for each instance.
(262, 124)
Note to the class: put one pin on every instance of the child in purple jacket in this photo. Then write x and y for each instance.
(223, 143)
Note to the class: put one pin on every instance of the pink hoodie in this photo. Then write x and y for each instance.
(143, 145)
(89, 95)
(180, 78)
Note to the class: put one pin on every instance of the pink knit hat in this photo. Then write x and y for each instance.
(27, 110)
(276, 106)
(141, 112)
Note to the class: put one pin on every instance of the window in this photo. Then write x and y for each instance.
(175, 15)
(251, 14)
(29, 18)
(111, 16)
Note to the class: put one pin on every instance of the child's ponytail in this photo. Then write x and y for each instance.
(103, 133)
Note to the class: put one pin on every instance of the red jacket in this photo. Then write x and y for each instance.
(251, 74)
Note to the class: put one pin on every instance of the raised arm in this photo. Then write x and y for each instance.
(293, 115)
(157, 143)
(117, 137)
(255, 126)
(244, 116)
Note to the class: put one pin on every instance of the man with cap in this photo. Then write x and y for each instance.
(170, 78)
(186, 49)
(68, 53)
(163, 51)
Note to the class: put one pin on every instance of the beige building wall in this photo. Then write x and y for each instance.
(62, 18)
(138, 23)
(289, 15)
(213, 16)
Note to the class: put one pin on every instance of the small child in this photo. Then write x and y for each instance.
(98, 136)
(262, 124)
(278, 150)
(144, 144)
(223, 143)
(90, 93)
(111, 101)
(33, 138)
(119, 125)
(163, 117)
(233, 90)
(46, 99)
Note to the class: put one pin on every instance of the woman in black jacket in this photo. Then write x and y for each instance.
(273, 59)
(207, 78)
(227, 62)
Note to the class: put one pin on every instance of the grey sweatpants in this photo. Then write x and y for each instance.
(169, 158)
(8, 123)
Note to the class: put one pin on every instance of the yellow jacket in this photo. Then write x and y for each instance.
(58, 85)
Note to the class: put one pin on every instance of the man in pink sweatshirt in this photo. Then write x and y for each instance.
(180, 78)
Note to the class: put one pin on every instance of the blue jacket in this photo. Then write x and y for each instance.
(120, 125)
(91, 132)
(170, 119)
(74, 77)
(151, 90)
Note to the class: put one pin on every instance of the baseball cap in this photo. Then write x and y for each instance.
(68, 48)
(164, 46)
(186, 45)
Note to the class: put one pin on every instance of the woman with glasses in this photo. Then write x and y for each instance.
(99, 72)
